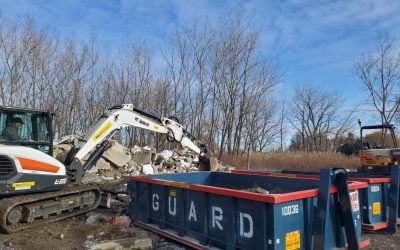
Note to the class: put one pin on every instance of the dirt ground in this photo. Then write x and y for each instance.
(80, 233)
(77, 234)
(384, 241)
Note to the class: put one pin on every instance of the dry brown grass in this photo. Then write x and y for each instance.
(292, 161)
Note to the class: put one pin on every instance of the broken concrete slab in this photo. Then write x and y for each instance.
(148, 169)
(142, 244)
(214, 165)
(92, 178)
(258, 190)
(100, 164)
(122, 244)
(165, 154)
(110, 245)
(60, 151)
(69, 139)
(144, 155)
(117, 155)
(131, 162)
(93, 218)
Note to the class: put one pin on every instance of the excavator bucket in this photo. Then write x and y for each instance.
(208, 163)
(204, 163)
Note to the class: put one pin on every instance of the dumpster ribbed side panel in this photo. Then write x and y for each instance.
(373, 199)
(215, 220)
(288, 228)
(219, 217)
(374, 205)
(196, 216)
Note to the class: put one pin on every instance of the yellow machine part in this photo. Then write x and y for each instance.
(375, 158)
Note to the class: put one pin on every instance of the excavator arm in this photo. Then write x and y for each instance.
(116, 118)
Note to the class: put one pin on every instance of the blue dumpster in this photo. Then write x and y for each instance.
(374, 199)
(237, 211)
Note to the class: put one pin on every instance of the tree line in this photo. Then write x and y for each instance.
(213, 78)
(214, 81)
(319, 121)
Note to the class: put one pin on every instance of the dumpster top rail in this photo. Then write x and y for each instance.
(353, 176)
(295, 189)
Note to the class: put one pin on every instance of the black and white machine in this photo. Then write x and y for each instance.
(36, 188)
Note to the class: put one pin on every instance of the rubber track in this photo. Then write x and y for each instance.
(7, 204)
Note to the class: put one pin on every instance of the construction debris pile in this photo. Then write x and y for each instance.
(118, 161)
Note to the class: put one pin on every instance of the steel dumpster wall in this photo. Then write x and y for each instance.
(373, 198)
(230, 218)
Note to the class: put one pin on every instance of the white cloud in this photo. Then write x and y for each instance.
(309, 36)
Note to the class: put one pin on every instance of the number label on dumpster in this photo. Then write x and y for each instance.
(292, 240)
(289, 210)
(374, 188)
(355, 203)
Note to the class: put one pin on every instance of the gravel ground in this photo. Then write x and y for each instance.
(384, 241)
(77, 234)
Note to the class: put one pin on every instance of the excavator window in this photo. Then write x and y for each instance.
(27, 128)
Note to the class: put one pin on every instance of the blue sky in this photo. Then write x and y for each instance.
(316, 42)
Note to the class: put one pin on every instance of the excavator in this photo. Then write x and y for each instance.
(377, 156)
(35, 188)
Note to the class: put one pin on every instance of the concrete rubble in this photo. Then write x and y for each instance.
(118, 161)
(123, 236)
(258, 190)
(93, 218)
(121, 244)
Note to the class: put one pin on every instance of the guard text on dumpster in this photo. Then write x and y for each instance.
(155, 203)
(217, 214)
(246, 222)
(172, 205)
(192, 212)
(243, 232)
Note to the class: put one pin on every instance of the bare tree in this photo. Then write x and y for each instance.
(379, 72)
(240, 72)
(313, 116)
(215, 81)
(282, 125)
(13, 46)
(216, 73)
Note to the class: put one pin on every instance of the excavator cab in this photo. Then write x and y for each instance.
(378, 148)
(26, 127)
